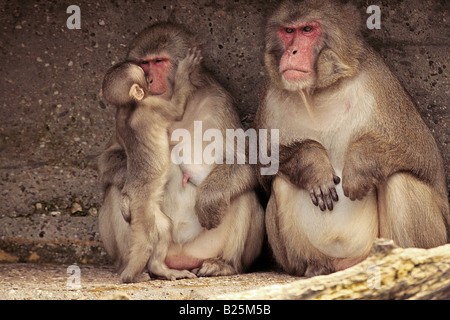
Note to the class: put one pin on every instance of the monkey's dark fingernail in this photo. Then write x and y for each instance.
(322, 206)
(329, 203)
(334, 195)
(313, 198)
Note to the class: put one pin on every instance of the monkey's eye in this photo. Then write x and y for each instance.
(307, 29)
(158, 60)
(144, 62)
(289, 30)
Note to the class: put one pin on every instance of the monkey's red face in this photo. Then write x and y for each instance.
(157, 70)
(298, 59)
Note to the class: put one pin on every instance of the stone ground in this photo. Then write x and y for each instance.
(28, 281)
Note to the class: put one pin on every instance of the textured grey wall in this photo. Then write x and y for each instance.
(53, 123)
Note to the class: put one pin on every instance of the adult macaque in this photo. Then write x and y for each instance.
(356, 160)
(142, 121)
(205, 208)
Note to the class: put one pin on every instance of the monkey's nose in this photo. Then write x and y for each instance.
(294, 51)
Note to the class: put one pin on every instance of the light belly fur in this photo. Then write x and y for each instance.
(349, 230)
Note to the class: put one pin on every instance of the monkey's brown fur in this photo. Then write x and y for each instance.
(372, 137)
(224, 202)
(147, 149)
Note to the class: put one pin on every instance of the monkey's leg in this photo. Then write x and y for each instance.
(142, 240)
(275, 238)
(213, 252)
(286, 231)
(156, 265)
(256, 231)
(143, 234)
(113, 229)
(411, 212)
(245, 217)
(411, 203)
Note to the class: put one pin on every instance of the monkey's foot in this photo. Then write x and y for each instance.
(172, 274)
(127, 277)
(314, 269)
(214, 267)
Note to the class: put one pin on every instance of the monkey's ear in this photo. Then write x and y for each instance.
(330, 68)
(136, 92)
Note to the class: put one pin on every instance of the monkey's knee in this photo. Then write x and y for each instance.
(411, 212)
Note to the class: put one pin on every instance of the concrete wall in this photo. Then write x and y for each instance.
(53, 123)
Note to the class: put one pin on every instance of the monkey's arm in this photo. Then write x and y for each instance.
(225, 182)
(307, 165)
(372, 158)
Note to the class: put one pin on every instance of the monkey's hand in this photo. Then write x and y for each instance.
(360, 175)
(308, 166)
(321, 183)
(210, 206)
(189, 63)
(125, 206)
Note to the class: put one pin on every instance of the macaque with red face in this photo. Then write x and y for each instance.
(205, 203)
(356, 160)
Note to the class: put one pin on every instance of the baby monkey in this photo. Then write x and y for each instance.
(142, 122)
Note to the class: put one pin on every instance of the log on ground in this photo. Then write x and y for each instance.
(389, 272)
